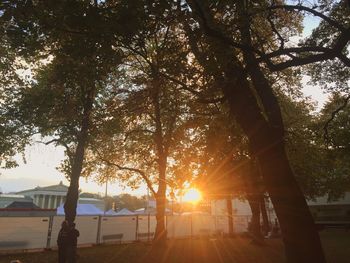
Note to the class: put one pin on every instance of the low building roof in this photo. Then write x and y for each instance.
(19, 204)
(14, 196)
(52, 188)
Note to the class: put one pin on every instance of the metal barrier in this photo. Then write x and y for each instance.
(27, 233)
(118, 229)
(87, 226)
(23, 232)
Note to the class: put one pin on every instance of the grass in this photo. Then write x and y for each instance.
(237, 250)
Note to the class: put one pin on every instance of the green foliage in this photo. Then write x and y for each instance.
(14, 136)
(73, 60)
(335, 126)
(331, 75)
(154, 111)
(147, 67)
(130, 202)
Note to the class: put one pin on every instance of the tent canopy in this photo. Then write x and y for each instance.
(149, 210)
(124, 212)
(111, 212)
(82, 209)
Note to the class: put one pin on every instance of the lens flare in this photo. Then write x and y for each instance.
(192, 195)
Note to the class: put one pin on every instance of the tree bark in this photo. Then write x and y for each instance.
(255, 226)
(302, 243)
(300, 236)
(70, 205)
(252, 183)
(229, 215)
(266, 139)
(160, 232)
(266, 224)
(160, 235)
(162, 153)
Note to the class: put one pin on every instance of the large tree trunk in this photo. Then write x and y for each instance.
(264, 130)
(70, 206)
(229, 215)
(266, 224)
(301, 239)
(299, 231)
(162, 153)
(300, 236)
(160, 235)
(252, 182)
(255, 226)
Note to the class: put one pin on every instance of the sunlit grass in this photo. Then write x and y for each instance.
(201, 250)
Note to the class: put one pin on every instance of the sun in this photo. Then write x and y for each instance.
(192, 195)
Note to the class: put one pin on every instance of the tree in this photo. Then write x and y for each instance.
(334, 125)
(228, 35)
(233, 47)
(154, 115)
(67, 90)
(130, 202)
(13, 136)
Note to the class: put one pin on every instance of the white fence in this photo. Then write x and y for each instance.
(23, 232)
(27, 233)
(117, 229)
(87, 225)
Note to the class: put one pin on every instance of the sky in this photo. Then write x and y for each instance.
(42, 160)
(40, 170)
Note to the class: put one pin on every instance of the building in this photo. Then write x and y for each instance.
(8, 199)
(19, 209)
(48, 197)
(52, 196)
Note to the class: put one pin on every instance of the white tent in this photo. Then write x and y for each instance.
(111, 212)
(149, 210)
(82, 209)
(194, 213)
(144, 211)
(124, 212)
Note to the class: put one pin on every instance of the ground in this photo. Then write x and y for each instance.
(336, 244)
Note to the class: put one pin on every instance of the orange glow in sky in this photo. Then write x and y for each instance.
(192, 195)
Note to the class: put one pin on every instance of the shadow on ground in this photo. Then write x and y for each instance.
(203, 250)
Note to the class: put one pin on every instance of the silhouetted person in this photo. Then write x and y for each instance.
(67, 243)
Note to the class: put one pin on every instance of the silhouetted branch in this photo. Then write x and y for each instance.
(334, 113)
(312, 11)
(131, 169)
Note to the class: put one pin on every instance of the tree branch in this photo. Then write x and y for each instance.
(131, 169)
(60, 142)
(327, 54)
(312, 11)
(274, 29)
(334, 113)
(194, 92)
